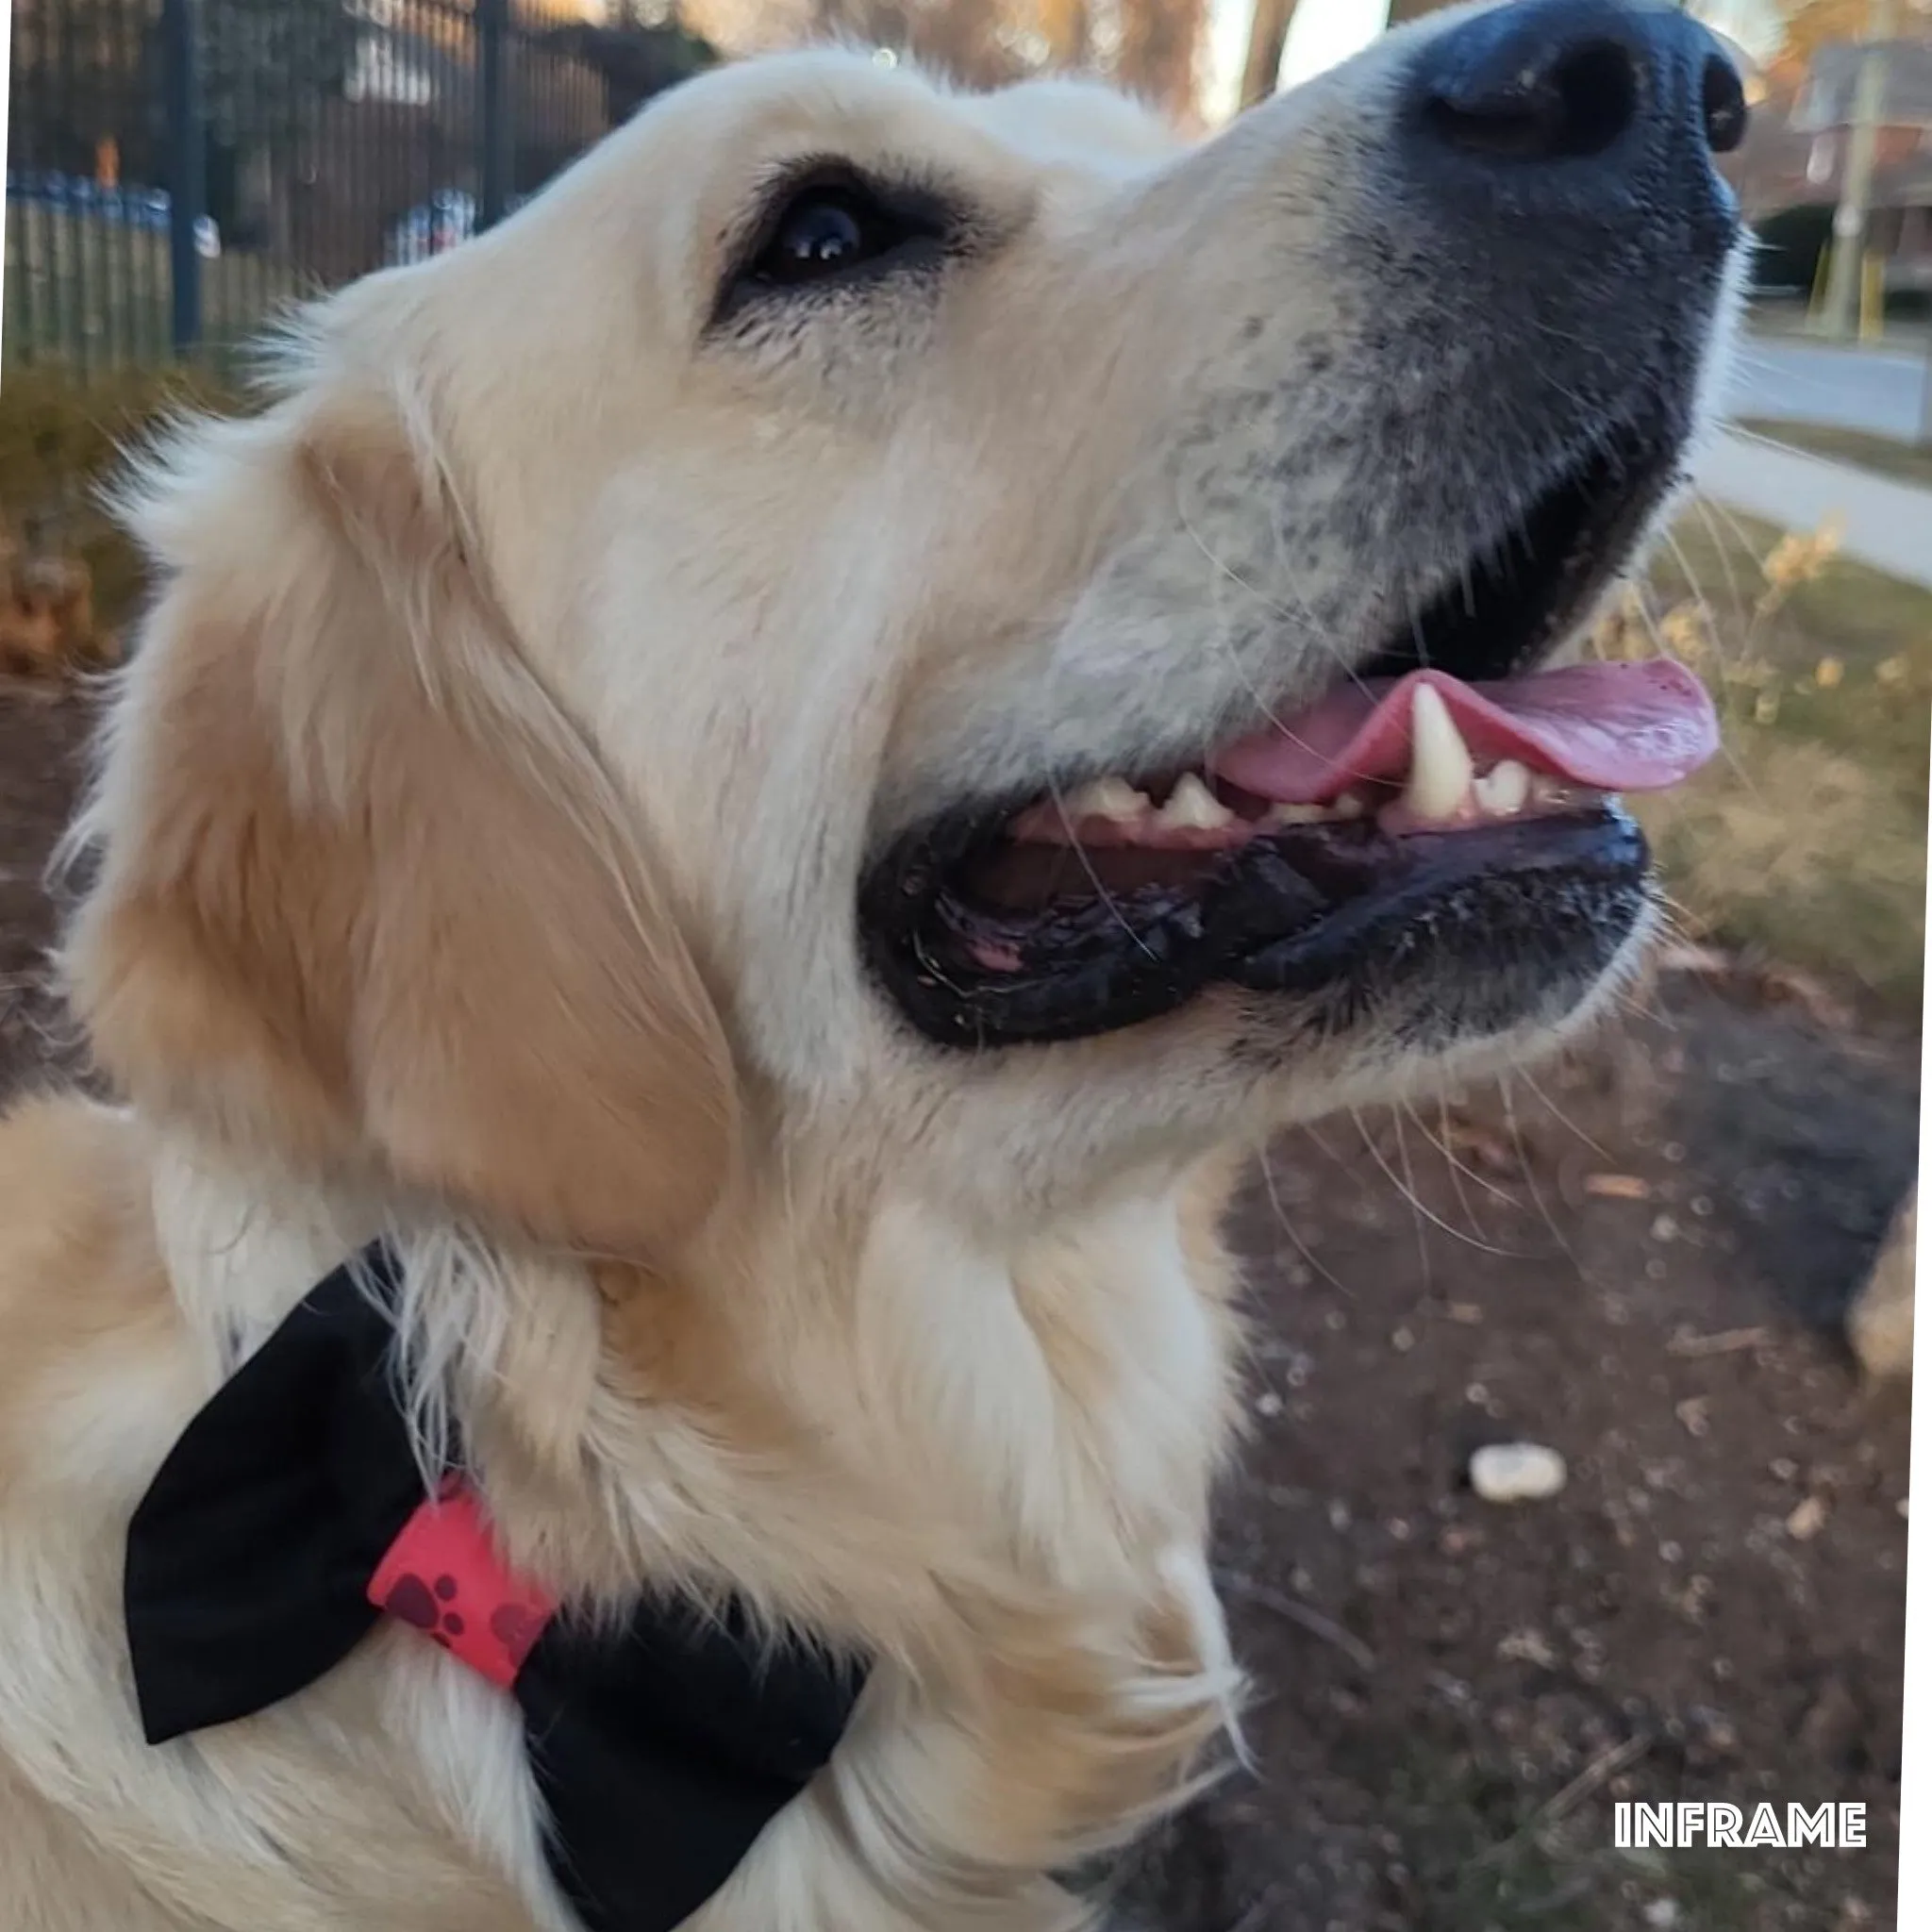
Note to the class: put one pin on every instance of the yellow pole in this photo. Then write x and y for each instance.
(1854, 193)
(1872, 298)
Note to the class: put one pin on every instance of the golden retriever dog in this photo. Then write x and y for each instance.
(770, 771)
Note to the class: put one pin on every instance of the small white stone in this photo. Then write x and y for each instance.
(1517, 1472)
(1806, 1520)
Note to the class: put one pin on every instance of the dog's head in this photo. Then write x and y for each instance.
(840, 623)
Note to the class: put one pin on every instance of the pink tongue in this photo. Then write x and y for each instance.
(1613, 727)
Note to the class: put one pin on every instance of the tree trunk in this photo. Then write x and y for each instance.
(1267, 37)
(1067, 26)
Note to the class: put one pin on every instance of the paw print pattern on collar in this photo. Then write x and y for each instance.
(443, 1576)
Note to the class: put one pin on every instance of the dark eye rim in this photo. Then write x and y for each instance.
(934, 228)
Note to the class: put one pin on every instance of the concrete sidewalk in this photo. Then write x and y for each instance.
(1885, 524)
(1880, 391)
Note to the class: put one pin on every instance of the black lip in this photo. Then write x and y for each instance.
(1341, 911)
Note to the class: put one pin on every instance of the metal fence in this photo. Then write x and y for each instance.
(179, 169)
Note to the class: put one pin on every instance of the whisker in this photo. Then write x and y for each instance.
(1306, 615)
(1703, 610)
(1106, 898)
(1301, 1247)
(1536, 1193)
(1461, 1166)
(1420, 1207)
(1421, 1239)
(1738, 530)
(1314, 1134)
(1306, 618)
(1557, 1114)
(1724, 550)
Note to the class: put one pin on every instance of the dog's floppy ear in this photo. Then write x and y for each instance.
(365, 902)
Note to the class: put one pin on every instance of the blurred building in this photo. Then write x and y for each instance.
(1794, 157)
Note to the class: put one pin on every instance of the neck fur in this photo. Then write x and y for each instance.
(835, 1415)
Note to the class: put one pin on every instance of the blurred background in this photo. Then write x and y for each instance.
(1670, 1270)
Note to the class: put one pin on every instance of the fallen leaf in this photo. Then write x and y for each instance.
(1617, 1187)
(1728, 1342)
(1479, 1147)
(1694, 1413)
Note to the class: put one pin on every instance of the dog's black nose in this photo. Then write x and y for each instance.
(1574, 86)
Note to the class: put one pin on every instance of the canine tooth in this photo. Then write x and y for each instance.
(1504, 790)
(1440, 767)
(1296, 814)
(1106, 798)
(1194, 809)
(1347, 807)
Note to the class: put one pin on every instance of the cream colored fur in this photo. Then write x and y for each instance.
(477, 829)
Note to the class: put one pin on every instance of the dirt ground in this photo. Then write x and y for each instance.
(1456, 1693)
(1637, 1260)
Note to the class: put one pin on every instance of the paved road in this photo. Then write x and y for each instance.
(1881, 391)
(1885, 524)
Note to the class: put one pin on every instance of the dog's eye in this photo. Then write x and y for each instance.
(832, 229)
(823, 231)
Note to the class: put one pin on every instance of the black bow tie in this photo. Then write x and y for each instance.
(659, 1752)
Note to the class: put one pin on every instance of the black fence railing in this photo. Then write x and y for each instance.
(178, 170)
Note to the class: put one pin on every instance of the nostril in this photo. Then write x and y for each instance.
(1725, 112)
(1573, 102)
(1597, 86)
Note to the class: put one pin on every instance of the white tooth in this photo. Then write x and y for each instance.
(1347, 807)
(1106, 798)
(1439, 766)
(1503, 790)
(1193, 808)
(1296, 814)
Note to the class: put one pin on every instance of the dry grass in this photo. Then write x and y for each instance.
(1806, 843)
(60, 440)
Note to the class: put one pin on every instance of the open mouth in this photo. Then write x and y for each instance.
(1443, 824)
